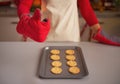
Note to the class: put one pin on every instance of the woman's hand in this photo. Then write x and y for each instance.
(98, 34)
(33, 27)
(103, 37)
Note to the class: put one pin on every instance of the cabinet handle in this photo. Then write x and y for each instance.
(14, 22)
(100, 22)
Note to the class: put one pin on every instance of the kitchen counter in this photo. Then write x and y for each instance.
(19, 62)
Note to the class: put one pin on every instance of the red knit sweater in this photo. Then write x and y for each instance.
(83, 6)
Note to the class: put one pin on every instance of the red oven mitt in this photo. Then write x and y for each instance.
(33, 27)
(102, 37)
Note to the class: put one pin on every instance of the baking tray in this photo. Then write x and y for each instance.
(45, 63)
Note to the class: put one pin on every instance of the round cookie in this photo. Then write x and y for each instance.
(72, 63)
(55, 51)
(70, 52)
(74, 70)
(70, 57)
(55, 57)
(56, 63)
(56, 70)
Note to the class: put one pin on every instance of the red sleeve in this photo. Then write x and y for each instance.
(23, 7)
(87, 12)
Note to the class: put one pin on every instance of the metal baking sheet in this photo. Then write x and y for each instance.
(45, 63)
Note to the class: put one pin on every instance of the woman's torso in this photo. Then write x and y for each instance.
(64, 20)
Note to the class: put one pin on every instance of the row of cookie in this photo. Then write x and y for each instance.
(56, 63)
(71, 62)
(56, 51)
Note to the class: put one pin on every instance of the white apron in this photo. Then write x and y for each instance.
(64, 20)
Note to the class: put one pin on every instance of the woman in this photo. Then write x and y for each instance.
(62, 24)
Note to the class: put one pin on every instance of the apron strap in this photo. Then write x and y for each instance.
(43, 5)
(44, 11)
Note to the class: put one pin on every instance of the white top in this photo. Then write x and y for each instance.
(64, 20)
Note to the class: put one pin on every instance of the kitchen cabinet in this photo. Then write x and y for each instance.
(8, 29)
(111, 25)
(110, 22)
(8, 23)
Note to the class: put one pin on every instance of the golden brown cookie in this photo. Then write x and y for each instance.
(56, 70)
(70, 52)
(55, 51)
(70, 57)
(56, 63)
(55, 57)
(72, 63)
(74, 70)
